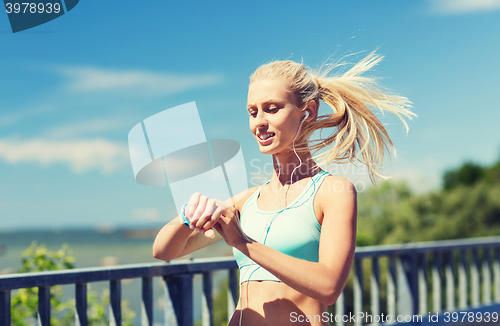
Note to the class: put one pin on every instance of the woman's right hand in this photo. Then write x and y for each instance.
(203, 213)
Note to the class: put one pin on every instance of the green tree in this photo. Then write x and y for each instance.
(220, 305)
(25, 302)
(468, 174)
(468, 206)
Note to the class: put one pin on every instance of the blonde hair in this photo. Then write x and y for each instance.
(351, 96)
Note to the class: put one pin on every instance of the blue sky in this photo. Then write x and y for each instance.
(71, 90)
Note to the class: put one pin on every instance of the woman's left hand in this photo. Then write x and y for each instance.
(228, 226)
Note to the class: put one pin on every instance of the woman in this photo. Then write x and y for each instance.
(294, 237)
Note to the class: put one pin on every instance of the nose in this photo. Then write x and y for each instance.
(260, 120)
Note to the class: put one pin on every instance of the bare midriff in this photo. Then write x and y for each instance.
(275, 303)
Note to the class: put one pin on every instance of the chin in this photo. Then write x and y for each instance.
(267, 150)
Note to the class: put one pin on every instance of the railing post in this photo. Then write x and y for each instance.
(391, 287)
(436, 282)
(375, 290)
(232, 294)
(413, 275)
(207, 306)
(169, 317)
(44, 305)
(422, 285)
(81, 318)
(5, 308)
(115, 298)
(180, 289)
(497, 273)
(147, 301)
(340, 309)
(486, 277)
(462, 278)
(358, 290)
(409, 264)
(475, 277)
(450, 282)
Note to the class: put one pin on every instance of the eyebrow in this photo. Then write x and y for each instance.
(279, 103)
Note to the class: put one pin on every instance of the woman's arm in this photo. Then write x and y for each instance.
(176, 239)
(325, 279)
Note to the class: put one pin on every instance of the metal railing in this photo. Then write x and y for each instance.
(451, 267)
(415, 277)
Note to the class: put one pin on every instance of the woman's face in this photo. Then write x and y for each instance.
(274, 117)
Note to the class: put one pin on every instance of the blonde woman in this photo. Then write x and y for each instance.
(294, 237)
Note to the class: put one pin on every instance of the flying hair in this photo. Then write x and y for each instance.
(358, 135)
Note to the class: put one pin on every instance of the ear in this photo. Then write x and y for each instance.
(312, 109)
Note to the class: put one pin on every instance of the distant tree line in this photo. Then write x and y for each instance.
(467, 205)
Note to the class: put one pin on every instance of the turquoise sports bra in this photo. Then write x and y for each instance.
(295, 231)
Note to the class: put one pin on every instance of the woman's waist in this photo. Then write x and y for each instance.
(270, 298)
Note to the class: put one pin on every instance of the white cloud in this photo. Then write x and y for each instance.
(87, 127)
(10, 119)
(418, 181)
(19, 114)
(463, 6)
(79, 155)
(93, 79)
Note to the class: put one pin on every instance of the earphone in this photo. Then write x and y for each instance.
(305, 117)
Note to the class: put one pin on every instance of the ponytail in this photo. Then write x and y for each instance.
(358, 135)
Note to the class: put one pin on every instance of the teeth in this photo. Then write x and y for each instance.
(266, 136)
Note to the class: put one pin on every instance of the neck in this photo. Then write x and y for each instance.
(288, 168)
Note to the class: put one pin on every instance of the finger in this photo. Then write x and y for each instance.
(207, 213)
(229, 213)
(224, 219)
(202, 203)
(191, 206)
(210, 233)
(213, 219)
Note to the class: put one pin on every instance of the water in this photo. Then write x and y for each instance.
(93, 248)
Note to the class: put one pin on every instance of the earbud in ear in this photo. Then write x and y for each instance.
(305, 117)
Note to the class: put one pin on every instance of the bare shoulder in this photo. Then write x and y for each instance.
(333, 184)
(336, 192)
(242, 197)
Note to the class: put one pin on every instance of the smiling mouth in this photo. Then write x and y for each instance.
(266, 136)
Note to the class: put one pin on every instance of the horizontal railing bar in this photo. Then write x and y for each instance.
(97, 274)
(425, 247)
